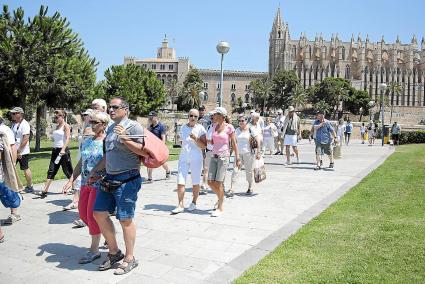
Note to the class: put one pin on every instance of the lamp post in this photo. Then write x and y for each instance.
(222, 48)
(382, 87)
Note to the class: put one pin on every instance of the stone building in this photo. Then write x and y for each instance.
(364, 62)
(168, 68)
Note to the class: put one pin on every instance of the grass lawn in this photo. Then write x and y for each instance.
(374, 234)
(39, 162)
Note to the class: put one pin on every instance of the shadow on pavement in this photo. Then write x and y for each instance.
(60, 202)
(158, 207)
(62, 217)
(66, 256)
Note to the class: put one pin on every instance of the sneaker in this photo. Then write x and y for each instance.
(70, 206)
(331, 165)
(13, 218)
(277, 153)
(79, 223)
(29, 189)
(192, 207)
(149, 180)
(216, 213)
(317, 168)
(249, 192)
(177, 210)
(229, 193)
(203, 190)
(167, 175)
(89, 257)
(42, 194)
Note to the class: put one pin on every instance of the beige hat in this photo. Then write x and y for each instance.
(16, 110)
(291, 108)
(220, 110)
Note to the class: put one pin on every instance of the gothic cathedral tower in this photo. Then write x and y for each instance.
(279, 58)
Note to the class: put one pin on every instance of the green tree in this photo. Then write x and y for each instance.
(284, 82)
(261, 91)
(298, 97)
(140, 87)
(357, 102)
(42, 63)
(189, 95)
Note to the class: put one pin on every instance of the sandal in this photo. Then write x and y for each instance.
(2, 239)
(111, 260)
(124, 269)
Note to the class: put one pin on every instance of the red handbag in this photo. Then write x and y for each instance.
(156, 149)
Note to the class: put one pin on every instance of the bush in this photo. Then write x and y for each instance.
(305, 134)
(412, 137)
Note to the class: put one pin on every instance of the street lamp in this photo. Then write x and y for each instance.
(222, 48)
(382, 88)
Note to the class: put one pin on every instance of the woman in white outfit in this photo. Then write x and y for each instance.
(193, 140)
(340, 132)
(269, 134)
(60, 152)
(246, 154)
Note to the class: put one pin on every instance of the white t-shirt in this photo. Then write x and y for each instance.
(242, 139)
(9, 133)
(279, 120)
(189, 146)
(208, 135)
(21, 129)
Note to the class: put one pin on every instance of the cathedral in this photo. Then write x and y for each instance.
(366, 64)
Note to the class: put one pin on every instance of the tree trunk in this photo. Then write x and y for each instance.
(38, 126)
(391, 113)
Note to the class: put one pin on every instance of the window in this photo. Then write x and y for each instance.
(233, 86)
(205, 96)
(246, 87)
(218, 86)
(162, 67)
(233, 98)
(347, 71)
(205, 85)
(343, 53)
(144, 65)
(247, 98)
(153, 66)
(170, 67)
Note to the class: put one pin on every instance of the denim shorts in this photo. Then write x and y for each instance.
(123, 199)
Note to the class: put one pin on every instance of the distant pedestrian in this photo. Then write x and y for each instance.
(324, 135)
(159, 130)
(348, 130)
(340, 132)
(269, 134)
(193, 141)
(60, 153)
(371, 130)
(292, 133)
(363, 132)
(22, 131)
(91, 150)
(223, 135)
(395, 133)
(279, 121)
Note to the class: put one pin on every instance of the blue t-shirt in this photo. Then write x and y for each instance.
(158, 130)
(349, 128)
(91, 154)
(324, 133)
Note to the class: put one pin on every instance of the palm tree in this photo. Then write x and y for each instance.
(191, 95)
(298, 97)
(395, 89)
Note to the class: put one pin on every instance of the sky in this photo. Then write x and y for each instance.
(111, 29)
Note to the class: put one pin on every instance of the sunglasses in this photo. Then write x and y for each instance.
(242, 120)
(194, 116)
(94, 122)
(115, 107)
(58, 115)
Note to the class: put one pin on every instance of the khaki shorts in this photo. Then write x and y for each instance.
(218, 167)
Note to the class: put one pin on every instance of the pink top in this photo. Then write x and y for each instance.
(221, 140)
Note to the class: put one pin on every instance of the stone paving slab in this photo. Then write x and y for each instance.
(188, 247)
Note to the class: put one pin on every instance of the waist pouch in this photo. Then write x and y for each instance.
(112, 185)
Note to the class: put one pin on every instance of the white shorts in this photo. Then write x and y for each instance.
(194, 164)
(269, 143)
(290, 140)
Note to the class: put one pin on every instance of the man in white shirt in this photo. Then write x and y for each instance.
(21, 130)
(279, 120)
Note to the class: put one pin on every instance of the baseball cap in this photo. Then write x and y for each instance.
(88, 111)
(291, 108)
(16, 110)
(153, 113)
(201, 108)
(279, 111)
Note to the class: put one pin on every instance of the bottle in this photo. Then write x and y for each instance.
(58, 159)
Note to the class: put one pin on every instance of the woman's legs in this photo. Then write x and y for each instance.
(217, 187)
(180, 194)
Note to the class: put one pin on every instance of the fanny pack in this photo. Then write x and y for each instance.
(112, 185)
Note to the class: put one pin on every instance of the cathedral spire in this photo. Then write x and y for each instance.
(414, 40)
(277, 19)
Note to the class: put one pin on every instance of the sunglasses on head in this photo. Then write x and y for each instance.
(194, 116)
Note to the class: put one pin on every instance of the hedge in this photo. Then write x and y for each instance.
(412, 137)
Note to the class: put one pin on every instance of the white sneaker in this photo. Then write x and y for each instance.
(216, 213)
(298, 161)
(177, 210)
(192, 207)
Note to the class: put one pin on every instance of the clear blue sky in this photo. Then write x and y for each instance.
(114, 29)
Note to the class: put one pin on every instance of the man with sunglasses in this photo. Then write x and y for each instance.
(22, 129)
(158, 129)
(122, 182)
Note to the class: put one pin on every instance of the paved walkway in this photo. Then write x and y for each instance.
(189, 247)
